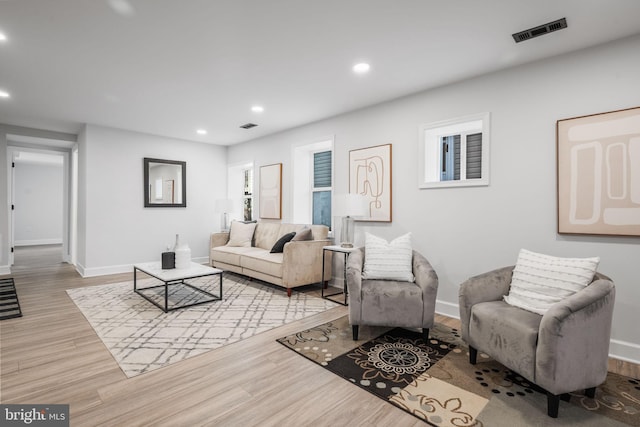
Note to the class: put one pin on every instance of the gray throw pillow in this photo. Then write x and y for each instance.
(304, 234)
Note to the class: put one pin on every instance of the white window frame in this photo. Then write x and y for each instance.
(302, 185)
(429, 157)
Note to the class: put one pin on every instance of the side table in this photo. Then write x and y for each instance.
(345, 252)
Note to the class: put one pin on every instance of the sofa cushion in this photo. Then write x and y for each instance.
(241, 234)
(388, 261)
(279, 245)
(264, 262)
(539, 281)
(267, 234)
(231, 254)
(509, 334)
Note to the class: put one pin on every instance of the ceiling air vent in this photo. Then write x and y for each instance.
(248, 126)
(540, 30)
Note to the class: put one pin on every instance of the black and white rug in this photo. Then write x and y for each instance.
(9, 304)
(142, 337)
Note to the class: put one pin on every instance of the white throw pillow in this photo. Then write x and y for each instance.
(539, 281)
(388, 261)
(241, 233)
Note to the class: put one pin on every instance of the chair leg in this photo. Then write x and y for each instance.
(354, 329)
(590, 392)
(553, 403)
(425, 335)
(473, 355)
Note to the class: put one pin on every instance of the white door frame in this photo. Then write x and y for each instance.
(12, 152)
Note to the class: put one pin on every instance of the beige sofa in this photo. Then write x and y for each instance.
(299, 264)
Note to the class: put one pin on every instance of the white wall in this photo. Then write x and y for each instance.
(115, 229)
(38, 203)
(468, 231)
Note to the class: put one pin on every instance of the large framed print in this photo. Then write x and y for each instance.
(271, 191)
(599, 174)
(370, 176)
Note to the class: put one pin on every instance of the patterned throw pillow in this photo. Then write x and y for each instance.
(241, 234)
(539, 281)
(388, 261)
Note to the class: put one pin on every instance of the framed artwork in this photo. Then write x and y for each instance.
(370, 176)
(271, 191)
(599, 173)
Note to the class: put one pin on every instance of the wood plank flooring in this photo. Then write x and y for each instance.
(52, 355)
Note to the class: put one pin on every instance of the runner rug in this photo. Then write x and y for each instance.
(9, 304)
(141, 337)
(436, 383)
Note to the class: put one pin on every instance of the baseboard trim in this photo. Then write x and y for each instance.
(623, 350)
(5, 269)
(37, 242)
(118, 269)
(447, 309)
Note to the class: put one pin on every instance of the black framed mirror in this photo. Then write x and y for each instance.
(165, 183)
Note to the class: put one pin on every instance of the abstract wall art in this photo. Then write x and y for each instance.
(370, 176)
(271, 191)
(599, 173)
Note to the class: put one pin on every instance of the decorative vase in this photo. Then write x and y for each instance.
(183, 254)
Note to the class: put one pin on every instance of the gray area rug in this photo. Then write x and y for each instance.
(142, 337)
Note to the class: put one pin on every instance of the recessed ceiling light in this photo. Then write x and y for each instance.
(361, 68)
(201, 132)
(3, 38)
(257, 109)
(4, 94)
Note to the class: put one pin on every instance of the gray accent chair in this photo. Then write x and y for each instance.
(389, 302)
(562, 351)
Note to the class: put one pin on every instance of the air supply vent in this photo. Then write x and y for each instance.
(248, 126)
(540, 30)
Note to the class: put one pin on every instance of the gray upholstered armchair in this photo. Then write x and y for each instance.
(562, 351)
(392, 303)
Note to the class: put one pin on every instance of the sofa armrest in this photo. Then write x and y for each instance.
(427, 280)
(354, 267)
(573, 341)
(217, 239)
(490, 286)
(302, 262)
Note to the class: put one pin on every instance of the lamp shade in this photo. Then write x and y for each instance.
(351, 204)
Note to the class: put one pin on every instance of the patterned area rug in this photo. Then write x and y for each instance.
(141, 337)
(436, 383)
(9, 305)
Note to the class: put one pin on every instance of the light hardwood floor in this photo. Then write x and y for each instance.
(51, 355)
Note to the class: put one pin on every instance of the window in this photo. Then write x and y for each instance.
(455, 153)
(312, 183)
(321, 191)
(240, 192)
(247, 197)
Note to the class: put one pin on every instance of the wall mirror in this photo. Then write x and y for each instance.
(455, 153)
(165, 183)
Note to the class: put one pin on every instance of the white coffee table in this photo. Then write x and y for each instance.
(175, 277)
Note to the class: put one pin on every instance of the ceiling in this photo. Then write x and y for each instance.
(170, 67)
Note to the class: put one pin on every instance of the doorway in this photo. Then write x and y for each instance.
(39, 233)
